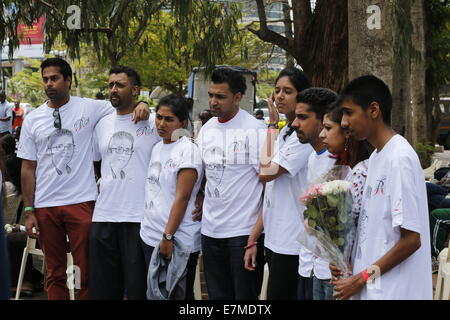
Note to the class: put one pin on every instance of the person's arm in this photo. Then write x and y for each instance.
(408, 243)
(269, 170)
(140, 112)
(28, 181)
(185, 184)
(197, 213)
(251, 248)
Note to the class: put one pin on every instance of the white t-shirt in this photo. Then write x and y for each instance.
(318, 165)
(394, 197)
(233, 193)
(125, 149)
(64, 172)
(162, 177)
(6, 111)
(282, 221)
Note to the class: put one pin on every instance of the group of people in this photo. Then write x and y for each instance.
(231, 194)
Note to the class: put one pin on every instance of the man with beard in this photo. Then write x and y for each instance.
(116, 259)
(61, 205)
(312, 104)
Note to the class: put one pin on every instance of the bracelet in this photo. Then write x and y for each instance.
(28, 209)
(143, 101)
(365, 275)
(251, 245)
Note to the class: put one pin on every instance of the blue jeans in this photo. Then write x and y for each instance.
(322, 289)
(226, 277)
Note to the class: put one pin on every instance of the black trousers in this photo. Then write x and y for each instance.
(116, 262)
(226, 277)
(191, 268)
(283, 276)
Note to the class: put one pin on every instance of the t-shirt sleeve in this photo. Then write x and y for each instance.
(190, 159)
(27, 146)
(404, 194)
(292, 156)
(95, 147)
(100, 109)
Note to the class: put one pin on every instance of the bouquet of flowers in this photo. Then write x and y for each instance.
(329, 225)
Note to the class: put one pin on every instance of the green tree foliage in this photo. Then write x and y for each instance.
(116, 28)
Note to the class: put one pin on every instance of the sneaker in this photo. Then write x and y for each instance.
(434, 265)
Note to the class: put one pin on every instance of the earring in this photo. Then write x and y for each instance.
(345, 154)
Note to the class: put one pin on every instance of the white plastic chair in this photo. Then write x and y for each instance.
(30, 248)
(197, 281)
(443, 279)
(429, 172)
(263, 294)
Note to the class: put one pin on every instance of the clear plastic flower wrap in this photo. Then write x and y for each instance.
(330, 226)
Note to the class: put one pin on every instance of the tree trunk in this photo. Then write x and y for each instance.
(290, 61)
(401, 116)
(418, 67)
(324, 51)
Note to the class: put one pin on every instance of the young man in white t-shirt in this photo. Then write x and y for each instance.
(5, 115)
(312, 104)
(392, 256)
(116, 260)
(56, 145)
(230, 144)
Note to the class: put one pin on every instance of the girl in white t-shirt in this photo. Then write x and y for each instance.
(284, 163)
(348, 152)
(173, 180)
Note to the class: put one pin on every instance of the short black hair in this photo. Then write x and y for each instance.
(134, 77)
(259, 112)
(367, 89)
(235, 79)
(298, 78)
(99, 96)
(178, 105)
(64, 67)
(318, 99)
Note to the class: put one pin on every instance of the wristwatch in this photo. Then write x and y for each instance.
(168, 236)
(273, 125)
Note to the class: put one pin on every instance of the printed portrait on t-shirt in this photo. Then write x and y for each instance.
(240, 151)
(120, 149)
(153, 186)
(214, 170)
(61, 146)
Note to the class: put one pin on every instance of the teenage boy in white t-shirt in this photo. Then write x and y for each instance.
(312, 104)
(56, 145)
(230, 144)
(392, 256)
(116, 261)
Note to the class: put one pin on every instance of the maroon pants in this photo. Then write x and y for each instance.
(54, 224)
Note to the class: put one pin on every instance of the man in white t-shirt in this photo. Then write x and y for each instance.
(392, 256)
(116, 260)
(5, 115)
(312, 104)
(230, 144)
(56, 146)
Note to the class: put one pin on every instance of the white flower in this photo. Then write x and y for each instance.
(8, 228)
(335, 187)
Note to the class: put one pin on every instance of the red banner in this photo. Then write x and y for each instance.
(33, 34)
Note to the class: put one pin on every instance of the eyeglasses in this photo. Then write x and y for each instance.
(67, 147)
(57, 117)
(120, 150)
